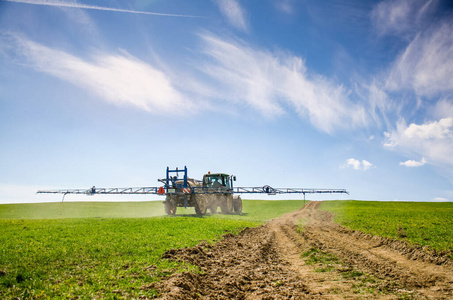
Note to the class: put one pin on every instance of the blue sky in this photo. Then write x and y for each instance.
(313, 94)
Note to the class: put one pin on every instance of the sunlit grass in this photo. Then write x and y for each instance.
(422, 223)
(100, 257)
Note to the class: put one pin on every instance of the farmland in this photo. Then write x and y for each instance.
(117, 250)
(425, 224)
(55, 253)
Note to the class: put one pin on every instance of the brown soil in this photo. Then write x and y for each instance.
(323, 261)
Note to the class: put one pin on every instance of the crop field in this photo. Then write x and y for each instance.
(422, 223)
(114, 251)
(49, 251)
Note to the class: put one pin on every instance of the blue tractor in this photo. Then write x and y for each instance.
(215, 190)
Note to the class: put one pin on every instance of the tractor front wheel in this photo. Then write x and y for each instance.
(170, 206)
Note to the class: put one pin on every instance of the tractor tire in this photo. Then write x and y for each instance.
(170, 206)
(237, 204)
(201, 204)
(226, 204)
(212, 203)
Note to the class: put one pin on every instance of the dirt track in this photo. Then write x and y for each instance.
(324, 261)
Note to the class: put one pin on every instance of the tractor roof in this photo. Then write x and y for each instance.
(216, 174)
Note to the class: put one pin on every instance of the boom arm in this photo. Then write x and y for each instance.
(94, 190)
(196, 190)
(171, 186)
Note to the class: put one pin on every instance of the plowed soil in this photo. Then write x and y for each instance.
(322, 261)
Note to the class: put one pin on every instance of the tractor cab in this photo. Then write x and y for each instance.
(218, 180)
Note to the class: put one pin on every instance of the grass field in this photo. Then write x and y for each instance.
(113, 250)
(49, 251)
(422, 223)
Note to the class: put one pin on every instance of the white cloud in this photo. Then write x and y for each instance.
(366, 165)
(270, 82)
(233, 11)
(440, 199)
(413, 163)
(426, 65)
(400, 17)
(120, 79)
(357, 165)
(285, 6)
(433, 140)
(379, 102)
(443, 109)
(431, 130)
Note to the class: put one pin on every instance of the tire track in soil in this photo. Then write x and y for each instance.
(266, 263)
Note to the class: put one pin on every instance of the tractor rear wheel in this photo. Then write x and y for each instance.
(237, 204)
(227, 204)
(201, 204)
(170, 206)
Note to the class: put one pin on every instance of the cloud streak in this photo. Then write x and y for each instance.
(426, 64)
(119, 79)
(275, 83)
(234, 13)
(95, 7)
(401, 17)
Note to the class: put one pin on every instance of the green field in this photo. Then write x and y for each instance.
(49, 251)
(113, 250)
(422, 223)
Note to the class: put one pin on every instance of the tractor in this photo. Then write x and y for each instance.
(213, 191)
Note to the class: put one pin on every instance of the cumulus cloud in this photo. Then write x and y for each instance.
(274, 83)
(413, 163)
(116, 78)
(357, 165)
(433, 140)
(234, 13)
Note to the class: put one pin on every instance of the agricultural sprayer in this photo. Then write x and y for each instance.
(213, 191)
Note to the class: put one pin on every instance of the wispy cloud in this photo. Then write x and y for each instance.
(413, 163)
(443, 108)
(426, 64)
(95, 7)
(418, 81)
(285, 6)
(433, 140)
(120, 79)
(233, 11)
(357, 164)
(400, 17)
(275, 83)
